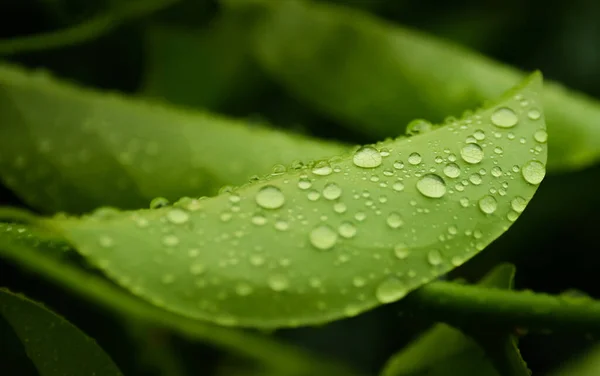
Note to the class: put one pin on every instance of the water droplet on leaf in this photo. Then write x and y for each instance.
(270, 197)
(431, 185)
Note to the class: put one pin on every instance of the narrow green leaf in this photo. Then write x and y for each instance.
(54, 345)
(586, 364)
(335, 238)
(64, 148)
(376, 76)
(20, 246)
(444, 350)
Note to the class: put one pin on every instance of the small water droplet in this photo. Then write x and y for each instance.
(398, 186)
(394, 220)
(159, 202)
(418, 126)
(398, 165)
(496, 171)
(278, 282)
(270, 197)
(434, 257)
(347, 230)
(367, 157)
(304, 183)
(414, 159)
(452, 170)
(472, 153)
(322, 168)
(475, 179)
(431, 185)
(518, 204)
(313, 195)
(488, 204)
(281, 225)
(541, 136)
(332, 191)
(504, 117)
(390, 290)
(170, 240)
(259, 219)
(401, 251)
(196, 269)
(533, 172)
(323, 237)
(479, 135)
(339, 207)
(243, 289)
(106, 241)
(534, 114)
(177, 216)
(464, 202)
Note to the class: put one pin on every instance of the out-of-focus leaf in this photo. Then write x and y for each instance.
(64, 148)
(376, 77)
(203, 68)
(586, 364)
(54, 345)
(446, 351)
(334, 239)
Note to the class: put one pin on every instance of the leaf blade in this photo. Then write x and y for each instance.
(281, 245)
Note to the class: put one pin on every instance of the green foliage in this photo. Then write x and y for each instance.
(274, 229)
(54, 345)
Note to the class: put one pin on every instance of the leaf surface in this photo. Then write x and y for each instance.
(334, 238)
(64, 148)
(375, 76)
(54, 345)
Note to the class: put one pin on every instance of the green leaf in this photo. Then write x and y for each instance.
(586, 364)
(337, 237)
(375, 76)
(54, 345)
(64, 148)
(444, 350)
(19, 245)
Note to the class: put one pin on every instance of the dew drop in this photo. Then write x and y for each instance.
(452, 170)
(504, 117)
(518, 204)
(414, 159)
(475, 179)
(197, 269)
(282, 225)
(479, 135)
(418, 126)
(533, 172)
(488, 204)
(322, 168)
(323, 237)
(534, 114)
(390, 290)
(259, 220)
(367, 157)
(278, 282)
(394, 220)
(170, 240)
(431, 185)
(332, 191)
(464, 202)
(496, 171)
(347, 230)
(541, 136)
(398, 186)
(339, 207)
(434, 257)
(270, 197)
(472, 153)
(304, 183)
(401, 251)
(159, 202)
(106, 241)
(177, 216)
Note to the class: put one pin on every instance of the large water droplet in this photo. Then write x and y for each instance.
(332, 191)
(347, 230)
(471, 153)
(414, 159)
(518, 204)
(452, 170)
(394, 220)
(434, 257)
(541, 136)
(323, 237)
(390, 290)
(431, 185)
(488, 204)
(278, 282)
(367, 157)
(270, 197)
(401, 251)
(177, 216)
(504, 117)
(533, 172)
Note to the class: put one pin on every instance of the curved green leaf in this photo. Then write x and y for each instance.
(64, 148)
(55, 346)
(336, 238)
(376, 76)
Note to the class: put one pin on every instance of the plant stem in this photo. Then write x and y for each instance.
(459, 304)
(85, 31)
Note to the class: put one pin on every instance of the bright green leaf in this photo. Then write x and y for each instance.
(54, 345)
(64, 148)
(444, 350)
(335, 238)
(376, 76)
